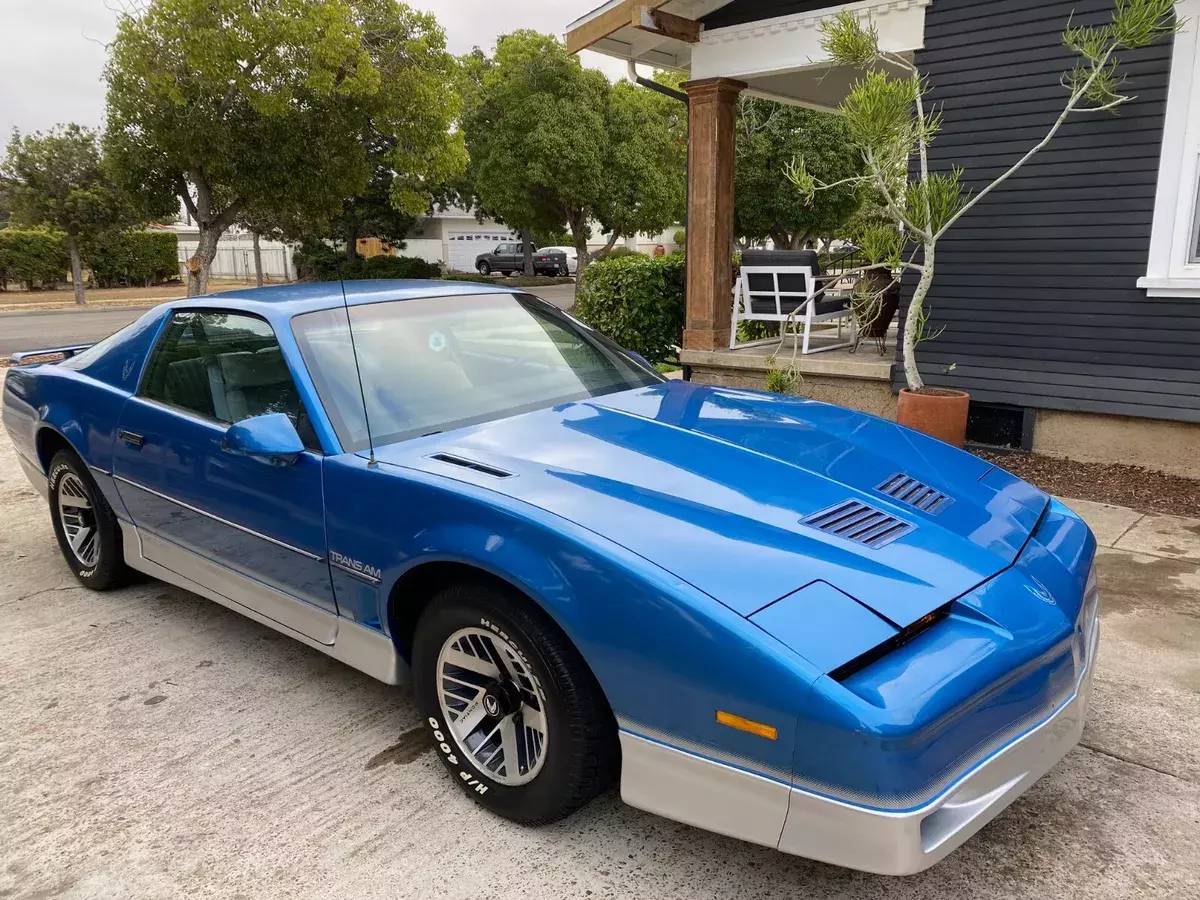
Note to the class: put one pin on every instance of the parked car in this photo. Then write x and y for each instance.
(570, 253)
(509, 259)
(770, 617)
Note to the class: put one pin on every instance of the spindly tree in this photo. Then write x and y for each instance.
(769, 136)
(554, 145)
(891, 124)
(263, 105)
(57, 179)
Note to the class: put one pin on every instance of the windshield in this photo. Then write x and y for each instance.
(441, 363)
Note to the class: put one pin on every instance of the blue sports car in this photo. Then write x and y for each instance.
(772, 618)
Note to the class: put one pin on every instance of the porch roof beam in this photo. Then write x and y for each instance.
(665, 24)
(607, 22)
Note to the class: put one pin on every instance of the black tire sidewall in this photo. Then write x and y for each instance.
(483, 269)
(110, 565)
(537, 800)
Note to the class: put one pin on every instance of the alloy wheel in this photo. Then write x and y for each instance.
(78, 520)
(494, 704)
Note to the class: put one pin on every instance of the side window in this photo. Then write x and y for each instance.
(226, 367)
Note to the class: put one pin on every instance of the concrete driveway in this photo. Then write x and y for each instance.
(156, 745)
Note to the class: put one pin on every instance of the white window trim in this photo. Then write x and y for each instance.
(1170, 271)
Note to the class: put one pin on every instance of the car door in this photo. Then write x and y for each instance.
(507, 256)
(247, 528)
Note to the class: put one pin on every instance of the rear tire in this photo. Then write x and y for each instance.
(561, 747)
(484, 268)
(88, 533)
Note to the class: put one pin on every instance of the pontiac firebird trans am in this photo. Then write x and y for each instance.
(768, 617)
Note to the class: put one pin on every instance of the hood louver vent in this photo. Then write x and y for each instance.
(920, 496)
(860, 523)
(471, 464)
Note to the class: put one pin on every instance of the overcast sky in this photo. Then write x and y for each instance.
(53, 50)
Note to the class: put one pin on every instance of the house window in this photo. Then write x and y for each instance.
(1173, 269)
(1194, 256)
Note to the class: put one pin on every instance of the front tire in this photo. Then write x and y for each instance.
(484, 268)
(517, 717)
(87, 530)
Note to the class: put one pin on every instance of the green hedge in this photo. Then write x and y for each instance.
(133, 258)
(34, 257)
(320, 262)
(636, 300)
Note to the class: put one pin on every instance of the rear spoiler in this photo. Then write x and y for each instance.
(18, 359)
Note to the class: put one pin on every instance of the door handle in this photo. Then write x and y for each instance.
(131, 438)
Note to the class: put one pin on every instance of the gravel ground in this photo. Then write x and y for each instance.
(155, 745)
(1141, 489)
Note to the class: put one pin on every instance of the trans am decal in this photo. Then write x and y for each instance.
(355, 567)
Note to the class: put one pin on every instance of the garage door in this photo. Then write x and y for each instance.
(466, 245)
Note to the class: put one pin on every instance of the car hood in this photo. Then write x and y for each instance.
(712, 485)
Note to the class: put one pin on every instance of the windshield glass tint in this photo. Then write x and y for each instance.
(441, 363)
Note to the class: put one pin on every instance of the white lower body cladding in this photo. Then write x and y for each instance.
(691, 788)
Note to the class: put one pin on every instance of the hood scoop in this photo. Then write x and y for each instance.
(916, 494)
(858, 522)
(464, 463)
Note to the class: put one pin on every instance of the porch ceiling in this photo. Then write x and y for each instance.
(780, 58)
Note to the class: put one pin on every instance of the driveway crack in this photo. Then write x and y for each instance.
(30, 596)
(1134, 762)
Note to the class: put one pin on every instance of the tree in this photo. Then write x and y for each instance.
(554, 145)
(769, 136)
(647, 169)
(263, 105)
(57, 180)
(891, 125)
(371, 213)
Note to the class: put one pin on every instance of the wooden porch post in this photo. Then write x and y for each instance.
(710, 212)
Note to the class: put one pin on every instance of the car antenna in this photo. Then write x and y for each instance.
(371, 463)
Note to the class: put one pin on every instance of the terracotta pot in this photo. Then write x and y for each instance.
(938, 412)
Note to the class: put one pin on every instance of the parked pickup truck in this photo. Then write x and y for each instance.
(508, 259)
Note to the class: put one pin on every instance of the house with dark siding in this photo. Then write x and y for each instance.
(1070, 297)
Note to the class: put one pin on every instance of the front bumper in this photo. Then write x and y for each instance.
(720, 796)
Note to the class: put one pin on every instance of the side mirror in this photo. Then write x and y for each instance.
(271, 437)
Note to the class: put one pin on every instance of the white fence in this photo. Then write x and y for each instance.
(238, 262)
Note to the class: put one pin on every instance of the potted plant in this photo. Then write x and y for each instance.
(892, 125)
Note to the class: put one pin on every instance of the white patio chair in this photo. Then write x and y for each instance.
(779, 293)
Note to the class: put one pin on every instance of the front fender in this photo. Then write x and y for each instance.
(667, 656)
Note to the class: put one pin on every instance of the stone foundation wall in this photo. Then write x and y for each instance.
(874, 397)
(1163, 446)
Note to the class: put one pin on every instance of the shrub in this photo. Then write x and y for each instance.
(35, 257)
(399, 267)
(622, 250)
(679, 237)
(317, 261)
(636, 300)
(320, 262)
(133, 258)
(782, 381)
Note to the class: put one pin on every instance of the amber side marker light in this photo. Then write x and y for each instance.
(766, 731)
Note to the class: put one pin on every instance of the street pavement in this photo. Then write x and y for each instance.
(156, 745)
(36, 329)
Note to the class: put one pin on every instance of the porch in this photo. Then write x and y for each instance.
(731, 47)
